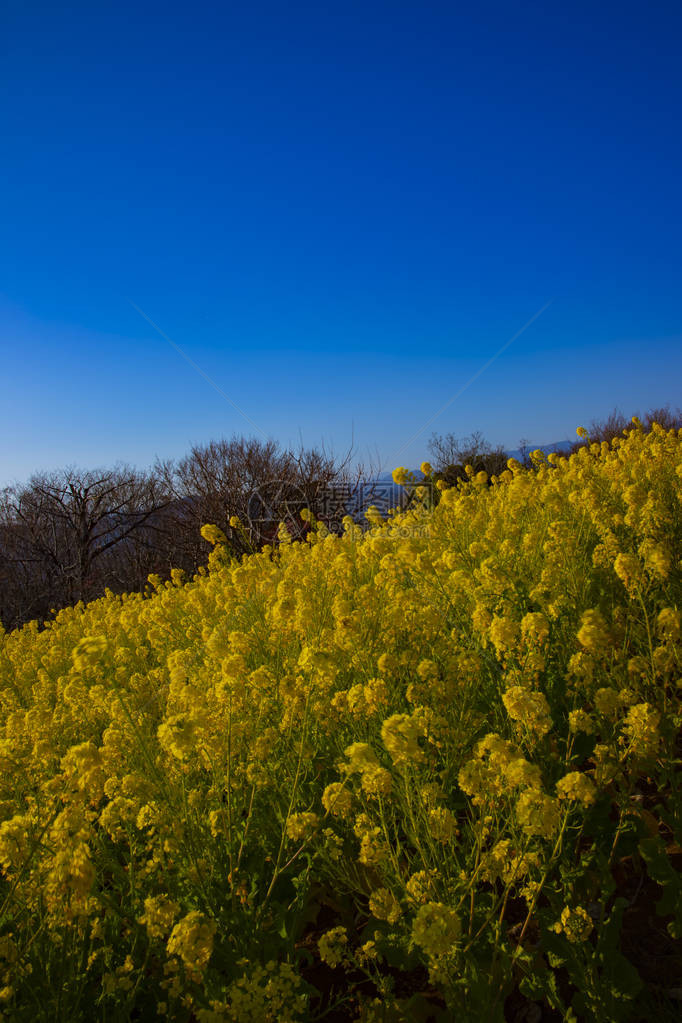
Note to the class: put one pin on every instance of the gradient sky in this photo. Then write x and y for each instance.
(339, 212)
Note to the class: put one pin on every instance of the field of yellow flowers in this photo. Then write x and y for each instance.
(429, 770)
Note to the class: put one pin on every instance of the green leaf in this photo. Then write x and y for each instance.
(609, 932)
(663, 872)
(624, 981)
(418, 1008)
(541, 985)
(557, 948)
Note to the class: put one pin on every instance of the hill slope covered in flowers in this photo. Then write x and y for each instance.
(428, 771)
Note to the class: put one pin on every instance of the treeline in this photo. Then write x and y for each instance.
(450, 455)
(615, 425)
(68, 535)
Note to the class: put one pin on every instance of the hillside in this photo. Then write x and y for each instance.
(429, 771)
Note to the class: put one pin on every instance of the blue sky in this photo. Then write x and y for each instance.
(340, 213)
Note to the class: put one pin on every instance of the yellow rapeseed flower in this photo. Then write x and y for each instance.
(577, 787)
(436, 928)
(192, 941)
(213, 534)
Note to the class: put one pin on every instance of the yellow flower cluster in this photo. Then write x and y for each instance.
(302, 825)
(214, 534)
(269, 994)
(400, 734)
(538, 813)
(528, 708)
(641, 728)
(192, 940)
(88, 651)
(498, 769)
(411, 723)
(575, 923)
(384, 905)
(576, 786)
(436, 928)
(420, 885)
(333, 946)
(159, 914)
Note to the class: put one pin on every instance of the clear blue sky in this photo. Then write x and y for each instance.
(340, 212)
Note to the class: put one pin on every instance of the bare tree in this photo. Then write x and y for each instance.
(257, 482)
(451, 455)
(58, 530)
(67, 536)
(616, 423)
(330, 486)
(524, 452)
(665, 417)
(214, 483)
